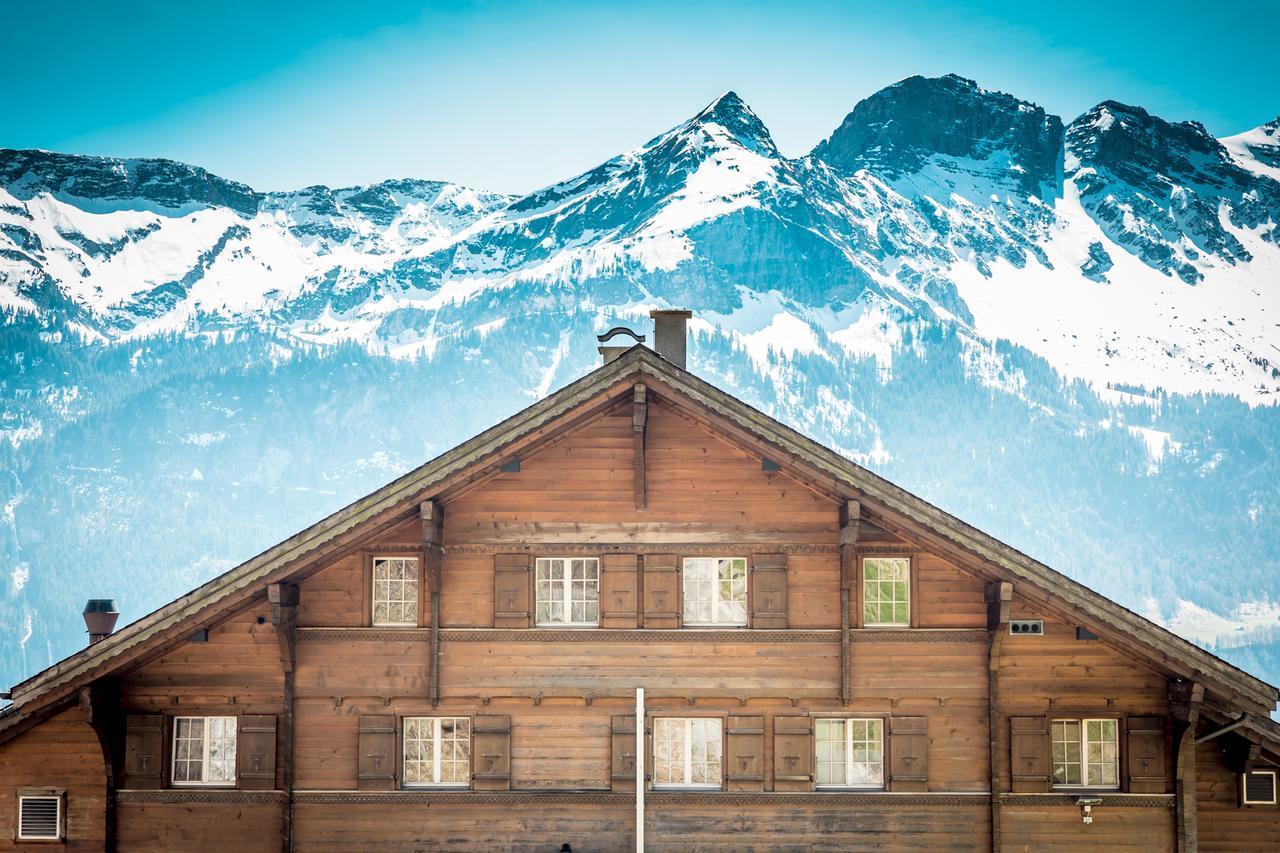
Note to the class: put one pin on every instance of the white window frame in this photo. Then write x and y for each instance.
(1244, 788)
(716, 600)
(849, 763)
(879, 601)
(373, 591)
(688, 753)
(204, 753)
(565, 597)
(57, 827)
(437, 758)
(1085, 781)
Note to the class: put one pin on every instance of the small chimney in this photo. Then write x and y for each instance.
(100, 616)
(670, 333)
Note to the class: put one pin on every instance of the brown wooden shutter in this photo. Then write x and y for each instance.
(491, 752)
(256, 752)
(661, 591)
(792, 754)
(744, 754)
(512, 591)
(378, 753)
(1029, 754)
(624, 752)
(769, 591)
(618, 591)
(144, 751)
(909, 754)
(1146, 765)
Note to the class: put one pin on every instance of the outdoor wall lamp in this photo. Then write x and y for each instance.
(1086, 805)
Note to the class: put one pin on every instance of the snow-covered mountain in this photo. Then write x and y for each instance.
(1064, 334)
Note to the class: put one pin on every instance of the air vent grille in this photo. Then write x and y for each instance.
(1026, 626)
(39, 817)
(1260, 786)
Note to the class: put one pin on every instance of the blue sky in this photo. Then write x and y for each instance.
(512, 96)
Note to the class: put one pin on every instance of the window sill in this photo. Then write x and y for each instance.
(395, 625)
(555, 626)
(204, 786)
(429, 786)
(675, 789)
(1084, 789)
(851, 789)
(723, 626)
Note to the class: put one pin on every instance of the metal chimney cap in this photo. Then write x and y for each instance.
(101, 605)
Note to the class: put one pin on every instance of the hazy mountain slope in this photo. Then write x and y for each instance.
(1066, 335)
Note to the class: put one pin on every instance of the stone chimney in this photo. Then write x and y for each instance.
(100, 616)
(670, 334)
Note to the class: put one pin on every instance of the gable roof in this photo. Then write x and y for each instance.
(396, 501)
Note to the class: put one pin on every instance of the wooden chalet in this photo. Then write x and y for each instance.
(827, 662)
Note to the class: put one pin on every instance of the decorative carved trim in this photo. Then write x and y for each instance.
(195, 795)
(381, 635)
(391, 550)
(888, 549)
(656, 798)
(918, 635)
(689, 549)
(1109, 800)
(636, 635)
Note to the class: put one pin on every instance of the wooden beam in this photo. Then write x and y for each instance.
(100, 704)
(284, 618)
(639, 423)
(1185, 699)
(999, 596)
(433, 570)
(850, 520)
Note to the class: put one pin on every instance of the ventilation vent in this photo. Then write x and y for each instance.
(1026, 626)
(1260, 787)
(39, 817)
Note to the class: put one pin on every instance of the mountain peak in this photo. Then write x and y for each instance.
(901, 128)
(738, 120)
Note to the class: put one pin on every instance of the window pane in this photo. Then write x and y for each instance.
(395, 591)
(886, 591)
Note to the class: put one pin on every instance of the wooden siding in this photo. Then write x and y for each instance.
(161, 827)
(1116, 829)
(1226, 824)
(60, 753)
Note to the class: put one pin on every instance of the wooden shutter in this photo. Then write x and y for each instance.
(1146, 766)
(792, 754)
(769, 591)
(661, 591)
(744, 754)
(491, 752)
(511, 591)
(378, 753)
(618, 591)
(909, 753)
(256, 752)
(624, 752)
(1029, 754)
(143, 751)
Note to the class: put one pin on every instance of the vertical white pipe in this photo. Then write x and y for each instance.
(640, 770)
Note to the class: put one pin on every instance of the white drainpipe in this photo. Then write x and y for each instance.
(639, 770)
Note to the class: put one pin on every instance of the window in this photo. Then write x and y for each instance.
(39, 817)
(568, 591)
(437, 751)
(1260, 787)
(1086, 753)
(850, 753)
(395, 591)
(886, 591)
(204, 750)
(715, 591)
(686, 752)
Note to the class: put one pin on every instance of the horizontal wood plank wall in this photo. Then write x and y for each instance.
(61, 753)
(336, 597)
(158, 827)
(1115, 829)
(949, 597)
(488, 825)
(1042, 675)
(813, 826)
(363, 667)
(1225, 824)
(689, 668)
(699, 490)
(239, 665)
